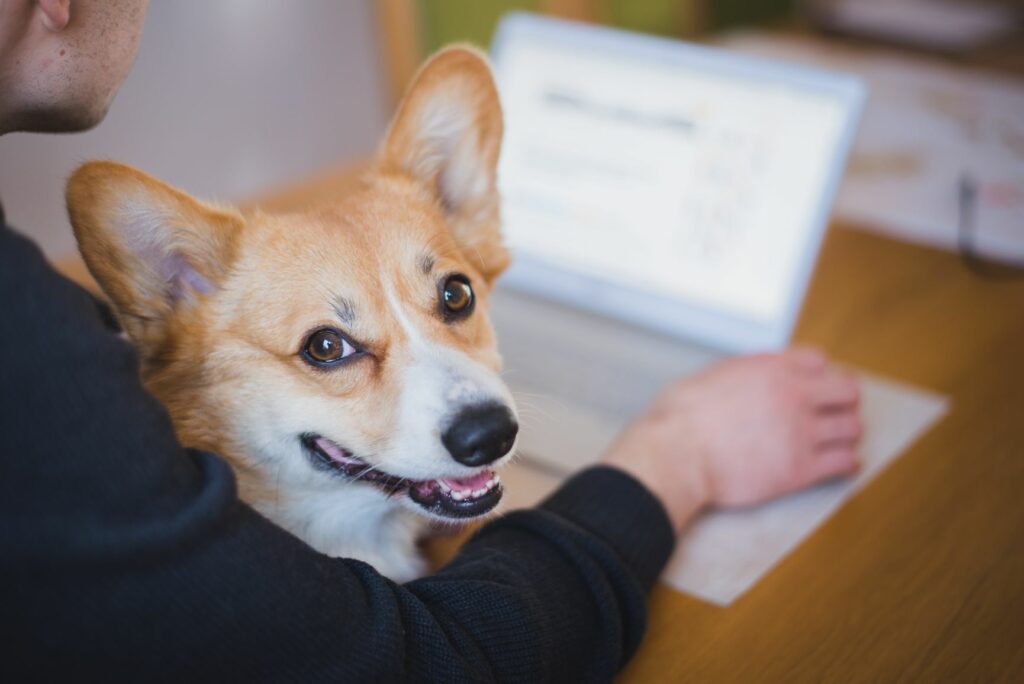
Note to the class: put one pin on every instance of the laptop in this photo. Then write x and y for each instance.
(664, 203)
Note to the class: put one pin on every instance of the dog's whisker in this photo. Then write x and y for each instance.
(397, 487)
(364, 473)
(439, 250)
(528, 405)
(531, 395)
(480, 258)
(533, 412)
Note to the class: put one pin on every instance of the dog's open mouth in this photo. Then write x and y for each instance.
(464, 497)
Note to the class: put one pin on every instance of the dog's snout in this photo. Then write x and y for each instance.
(481, 434)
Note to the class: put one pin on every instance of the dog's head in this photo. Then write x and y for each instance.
(344, 346)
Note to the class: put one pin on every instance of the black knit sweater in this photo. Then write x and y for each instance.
(125, 557)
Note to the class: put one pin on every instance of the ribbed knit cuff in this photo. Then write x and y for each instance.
(611, 504)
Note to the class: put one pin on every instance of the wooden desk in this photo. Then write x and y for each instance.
(921, 575)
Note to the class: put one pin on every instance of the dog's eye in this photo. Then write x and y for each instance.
(326, 347)
(457, 296)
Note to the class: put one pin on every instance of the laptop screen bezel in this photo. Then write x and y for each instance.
(638, 306)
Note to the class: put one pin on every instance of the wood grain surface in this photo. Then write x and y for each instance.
(920, 576)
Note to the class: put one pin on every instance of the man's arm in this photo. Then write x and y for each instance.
(123, 555)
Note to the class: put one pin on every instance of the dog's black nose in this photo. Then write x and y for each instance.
(481, 434)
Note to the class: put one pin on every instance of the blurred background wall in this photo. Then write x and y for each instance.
(231, 97)
(227, 97)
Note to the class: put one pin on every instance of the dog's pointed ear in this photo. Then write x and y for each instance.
(152, 248)
(447, 134)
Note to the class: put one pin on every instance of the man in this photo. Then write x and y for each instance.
(125, 556)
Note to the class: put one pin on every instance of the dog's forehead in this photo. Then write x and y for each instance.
(382, 226)
(314, 264)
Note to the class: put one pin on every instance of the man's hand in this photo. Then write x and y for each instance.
(744, 431)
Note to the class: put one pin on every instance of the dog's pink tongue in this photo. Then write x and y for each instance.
(334, 451)
(468, 484)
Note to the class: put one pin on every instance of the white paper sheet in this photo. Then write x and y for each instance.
(725, 553)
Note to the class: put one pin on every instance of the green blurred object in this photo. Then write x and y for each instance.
(449, 21)
(724, 14)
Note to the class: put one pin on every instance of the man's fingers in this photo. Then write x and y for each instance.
(840, 426)
(832, 461)
(835, 388)
(807, 358)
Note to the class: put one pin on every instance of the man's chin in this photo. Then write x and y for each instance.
(63, 119)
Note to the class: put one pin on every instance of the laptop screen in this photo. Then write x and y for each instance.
(694, 184)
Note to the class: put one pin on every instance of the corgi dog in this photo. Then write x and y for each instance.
(340, 358)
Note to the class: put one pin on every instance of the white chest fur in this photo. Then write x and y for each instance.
(352, 521)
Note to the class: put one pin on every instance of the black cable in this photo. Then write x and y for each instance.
(967, 203)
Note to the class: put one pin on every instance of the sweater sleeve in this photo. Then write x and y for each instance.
(126, 557)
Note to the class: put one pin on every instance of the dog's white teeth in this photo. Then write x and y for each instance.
(459, 494)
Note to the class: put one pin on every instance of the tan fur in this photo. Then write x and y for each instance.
(220, 348)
